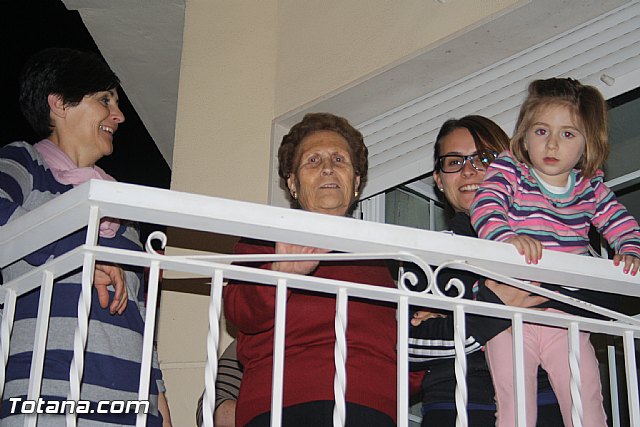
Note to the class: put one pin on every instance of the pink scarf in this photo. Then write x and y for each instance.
(65, 171)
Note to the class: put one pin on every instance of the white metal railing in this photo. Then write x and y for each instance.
(356, 239)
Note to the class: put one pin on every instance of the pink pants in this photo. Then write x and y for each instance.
(549, 347)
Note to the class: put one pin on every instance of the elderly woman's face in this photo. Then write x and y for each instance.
(324, 179)
(459, 188)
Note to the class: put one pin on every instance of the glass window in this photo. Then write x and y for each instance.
(624, 138)
(408, 206)
(413, 206)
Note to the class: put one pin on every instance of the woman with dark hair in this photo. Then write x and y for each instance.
(323, 161)
(70, 98)
(463, 150)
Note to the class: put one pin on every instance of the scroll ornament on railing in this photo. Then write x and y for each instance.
(538, 290)
(408, 279)
(156, 235)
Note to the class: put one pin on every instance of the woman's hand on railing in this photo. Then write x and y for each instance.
(422, 315)
(105, 275)
(296, 267)
(630, 263)
(513, 296)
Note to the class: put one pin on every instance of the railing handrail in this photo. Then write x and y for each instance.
(205, 268)
(69, 212)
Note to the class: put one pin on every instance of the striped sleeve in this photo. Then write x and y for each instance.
(613, 220)
(229, 375)
(17, 181)
(492, 200)
(26, 184)
(227, 381)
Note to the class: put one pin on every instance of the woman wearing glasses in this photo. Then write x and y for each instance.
(463, 150)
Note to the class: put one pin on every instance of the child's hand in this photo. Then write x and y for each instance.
(527, 246)
(631, 263)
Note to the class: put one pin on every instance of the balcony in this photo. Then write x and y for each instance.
(354, 239)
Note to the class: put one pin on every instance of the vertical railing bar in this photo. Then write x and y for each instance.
(213, 338)
(632, 378)
(460, 366)
(93, 226)
(76, 368)
(80, 334)
(278, 353)
(517, 329)
(147, 338)
(403, 361)
(613, 385)
(340, 360)
(574, 370)
(40, 343)
(6, 326)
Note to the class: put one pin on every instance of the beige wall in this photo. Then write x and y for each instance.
(223, 129)
(225, 103)
(244, 63)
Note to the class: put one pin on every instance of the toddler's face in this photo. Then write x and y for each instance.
(555, 144)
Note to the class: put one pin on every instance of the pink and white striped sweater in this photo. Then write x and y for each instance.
(512, 201)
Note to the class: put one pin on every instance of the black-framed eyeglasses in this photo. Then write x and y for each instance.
(452, 163)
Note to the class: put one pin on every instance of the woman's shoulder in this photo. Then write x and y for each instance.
(22, 162)
(20, 151)
(26, 155)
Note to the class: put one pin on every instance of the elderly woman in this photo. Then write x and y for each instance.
(463, 150)
(70, 98)
(324, 162)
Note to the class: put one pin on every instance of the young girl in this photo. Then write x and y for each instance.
(545, 193)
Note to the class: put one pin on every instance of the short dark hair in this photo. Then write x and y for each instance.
(288, 156)
(70, 73)
(487, 135)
